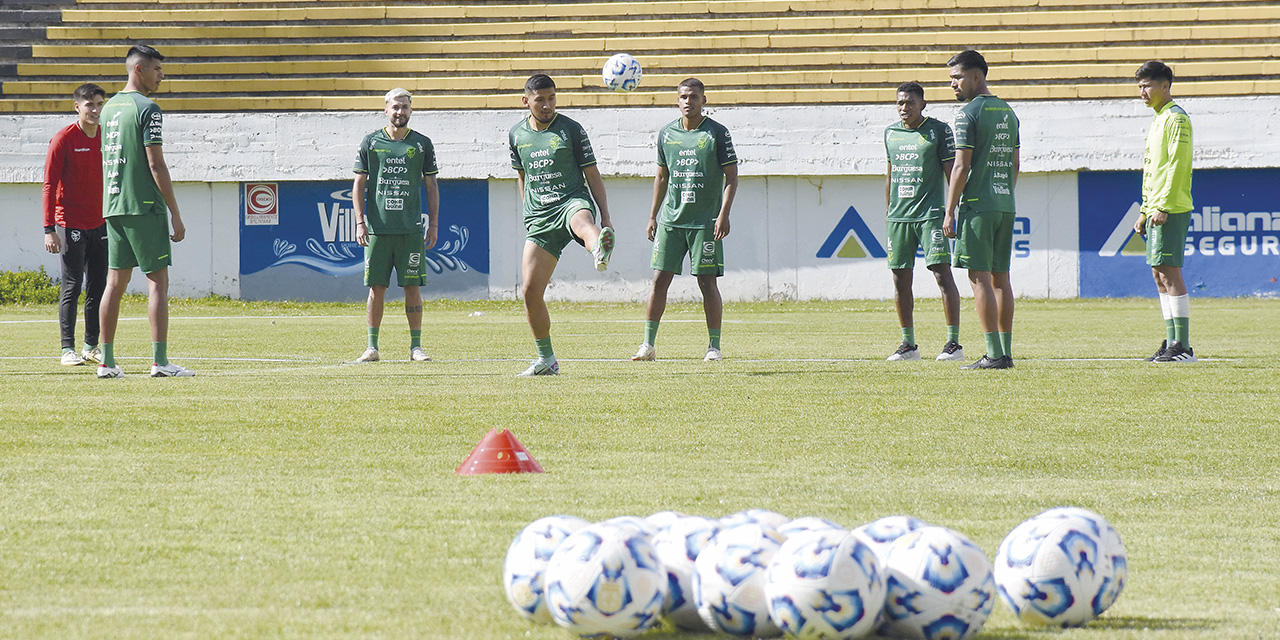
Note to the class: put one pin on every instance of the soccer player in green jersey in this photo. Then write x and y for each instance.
(980, 206)
(137, 192)
(561, 189)
(1166, 206)
(697, 179)
(920, 153)
(389, 226)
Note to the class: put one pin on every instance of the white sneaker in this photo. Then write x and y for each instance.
(905, 352)
(416, 354)
(110, 372)
(93, 355)
(713, 355)
(369, 355)
(952, 351)
(540, 368)
(646, 352)
(170, 370)
(604, 249)
(71, 358)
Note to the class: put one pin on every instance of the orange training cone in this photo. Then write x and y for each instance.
(499, 452)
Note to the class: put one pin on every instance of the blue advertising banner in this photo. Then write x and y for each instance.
(1233, 245)
(298, 242)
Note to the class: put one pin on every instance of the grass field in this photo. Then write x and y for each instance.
(283, 493)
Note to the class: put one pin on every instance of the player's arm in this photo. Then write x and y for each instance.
(955, 189)
(433, 210)
(52, 176)
(888, 177)
(520, 185)
(730, 190)
(357, 203)
(659, 194)
(160, 172)
(596, 185)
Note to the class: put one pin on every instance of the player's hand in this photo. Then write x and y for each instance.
(362, 235)
(652, 229)
(1159, 218)
(179, 229)
(1140, 227)
(430, 238)
(52, 243)
(949, 225)
(722, 227)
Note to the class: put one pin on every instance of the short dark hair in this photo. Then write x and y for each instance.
(692, 83)
(139, 51)
(1154, 70)
(912, 87)
(538, 82)
(969, 59)
(87, 91)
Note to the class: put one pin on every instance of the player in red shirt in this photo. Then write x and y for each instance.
(73, 224)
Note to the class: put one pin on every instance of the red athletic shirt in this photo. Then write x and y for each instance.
(73, 180)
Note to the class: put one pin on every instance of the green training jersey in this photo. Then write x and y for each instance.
(1166, 162)
(695, 160)
(393, 195)
(131, 122)
(552, 161)
(988, 126)
(917, 180)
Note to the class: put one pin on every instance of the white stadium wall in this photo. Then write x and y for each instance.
(812, 180)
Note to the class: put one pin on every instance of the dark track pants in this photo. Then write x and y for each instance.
(84, 265)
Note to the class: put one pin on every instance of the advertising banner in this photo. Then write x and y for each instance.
(298, 242)
(1233, 244)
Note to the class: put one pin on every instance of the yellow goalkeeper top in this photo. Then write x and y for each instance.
(1166, 162)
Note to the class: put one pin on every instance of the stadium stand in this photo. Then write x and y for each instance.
(344, 54)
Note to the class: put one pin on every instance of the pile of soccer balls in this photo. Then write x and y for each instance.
(757, 573)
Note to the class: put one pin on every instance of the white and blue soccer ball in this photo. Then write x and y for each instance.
(765, 517)
(883, 532)
(678, 547)
(663, 519)
(622, 72)
(939, 586)
(825, 585)
(728, 583)
(636, 523)
(605, 581)
(526, 563)
(1061, 568)
(807, 524)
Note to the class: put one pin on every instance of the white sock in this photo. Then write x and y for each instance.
(1180, 306)
(1165, 307)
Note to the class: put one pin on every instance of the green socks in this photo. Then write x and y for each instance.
(415, 338)
(1182, 331)
(909, 335)
(159, 353)
(1170, 331)
(953, 333)
(108, 354)
(1006, 343)
(651, 331)
(545, 353)
(715, 338)
(994, 348)
(373, 337)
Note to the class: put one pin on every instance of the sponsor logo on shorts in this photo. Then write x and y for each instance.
(75, 235)
(709, 248)
(415, 259)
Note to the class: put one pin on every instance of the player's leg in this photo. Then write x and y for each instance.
(582, 223)
(937, 254)
(903, 240)
(706, 261)
(374, 305)
(1165, 250)
(413, 311)
(1004, 300)
(379, 260)
(95, 284)
(158, 316)
(975, 251)
(536, 267)
(1180, 311)
(409, 277)
(713, 307)
(73, 263)
(654, 308)
(1166, 311)
(109, 315)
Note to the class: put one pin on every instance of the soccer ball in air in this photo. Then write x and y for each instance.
(728, 583)
(939, 586)
(526, 563)
(825, 585)
(605, 580)
(1056, 570)
(622, 72)
(678, 547)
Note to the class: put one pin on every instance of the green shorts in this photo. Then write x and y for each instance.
(403, 251)
(905, 237)
(1167, 243)
(550, 229)
(984, 241)
(138, 241)
(672, 244)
